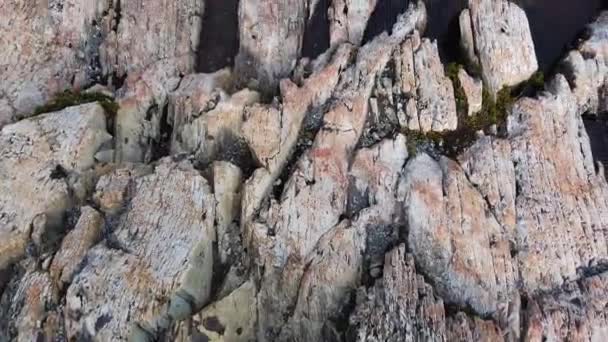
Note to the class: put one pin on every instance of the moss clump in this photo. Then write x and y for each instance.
(493, 112)
(418, 138)
(462, 104)
(69, 98)
(536, 82)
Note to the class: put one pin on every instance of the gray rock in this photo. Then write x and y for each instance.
(26, 308)
(69, 44)
(502, 41)
(561, 198)
(467, 40)
(576, 312)
(272, 133)
(424, 95)
(217, 134)
(473, 90)
(436, 105)
(284, 235)
(348, 20)
(75, 245)
(160, 247)
(403, 307)
(37, 157)
(455, 238)
(270, 38)
(227, 182)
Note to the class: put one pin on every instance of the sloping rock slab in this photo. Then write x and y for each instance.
(162, 244)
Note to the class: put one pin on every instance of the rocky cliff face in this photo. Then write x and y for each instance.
(369, 194)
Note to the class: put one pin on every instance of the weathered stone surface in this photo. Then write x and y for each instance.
(227, 180)
(332, 273)
(112, 189)
(467, 40)
(561, 203)
(577, 312)
(141, 114)
(262, 131)
(37, 155)
(503, 43)
(588, 74)
(197, 94)
(488, 166)
(435, 102)
(424, 95)
(403, 307)
(348, 20)
(341, 233)
(75, 245)
(455, 238)
(162, 253)
(315, 197)
(72, 43)
(25, 309)
(232, 318)
(152, 32)
(374, 173)
(473, 90)
(44, 50)
(217, 134)
(270, 37)
(273, 145)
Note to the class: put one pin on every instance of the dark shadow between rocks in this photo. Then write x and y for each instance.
(219, 40)
(383, 18)
(556, 25)
(597, 130)
(316, 36)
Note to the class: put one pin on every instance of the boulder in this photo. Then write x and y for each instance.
(348, 20)
(402, 306)
(457, 241)
(502, 42)
(473, 91)
(75, 246)
(28, 308)
(423, 96)
(156, 267)
(270, 38)
(38, 156)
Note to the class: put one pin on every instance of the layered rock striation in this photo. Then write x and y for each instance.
(297, 199)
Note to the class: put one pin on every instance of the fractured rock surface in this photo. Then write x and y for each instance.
(160, 252)
(37, 157)
(64, 44)
(270, 37)
(293, 199)
(502, 42)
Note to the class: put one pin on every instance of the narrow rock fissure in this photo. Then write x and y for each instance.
(597, 130)
(310, 127)
(161, 147)
(444, 26)
(383, 18)
(114, 79)
(219, 37)
(316, 36)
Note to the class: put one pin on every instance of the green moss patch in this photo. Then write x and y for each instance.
(69, 98)
(462, 105)
(493, 112)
